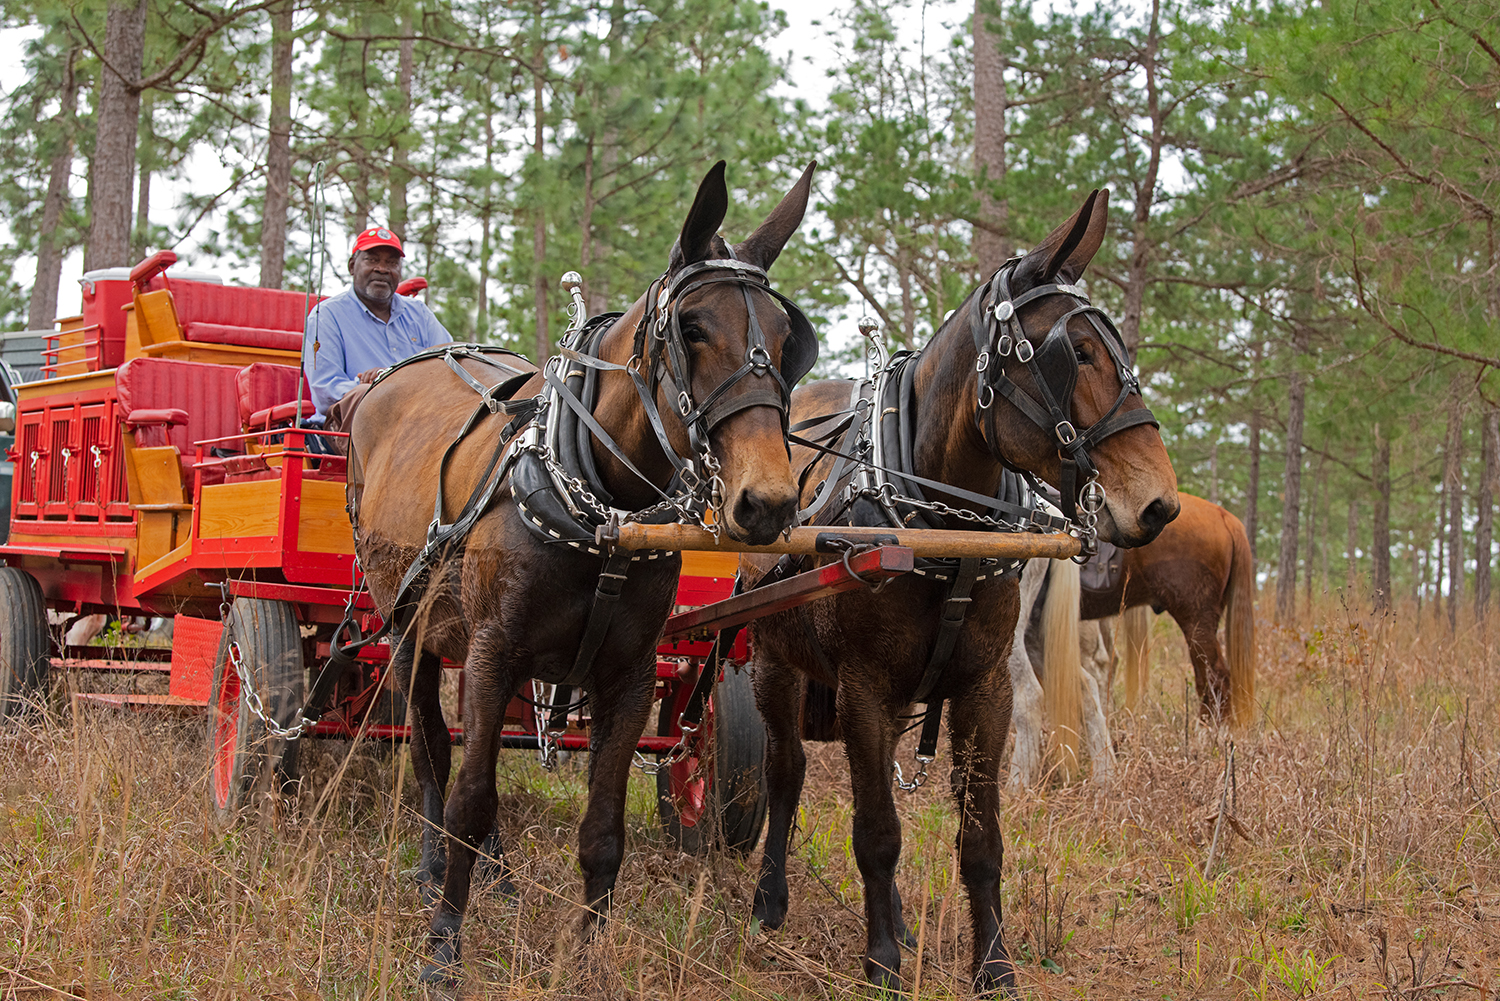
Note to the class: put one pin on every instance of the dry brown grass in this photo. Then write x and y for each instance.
(1361, 860)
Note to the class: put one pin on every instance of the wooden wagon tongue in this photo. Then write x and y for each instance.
(821, 540)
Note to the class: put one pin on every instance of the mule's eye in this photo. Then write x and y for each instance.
(1084, 358)
(694, 334)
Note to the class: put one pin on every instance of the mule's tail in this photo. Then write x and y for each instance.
(1062, 671)
(1239, 627)
(1135, 631)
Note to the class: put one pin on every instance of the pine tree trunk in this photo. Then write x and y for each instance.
(144, 153)
(1453, 493)
(1312, 536)
(908, 305)
(1485, 530)
(42, 310)
(486, 213)
(1252, 487)
(991, 241)
(113, 165)
(1213, 471)
(1380, 524)
(1351, 546)
(1286, 566)
(278, 151)
(1145, 196)
(400, 170)
(539, 226)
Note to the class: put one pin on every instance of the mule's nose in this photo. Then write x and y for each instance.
(1158, 514)
(762, 515)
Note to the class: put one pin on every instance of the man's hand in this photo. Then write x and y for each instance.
(368, 376)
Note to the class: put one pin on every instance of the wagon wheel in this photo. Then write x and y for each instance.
(25, 646)
(688, 791)
(244, 759)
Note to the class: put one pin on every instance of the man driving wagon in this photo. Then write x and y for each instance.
(352, 336)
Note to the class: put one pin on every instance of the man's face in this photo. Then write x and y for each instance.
(376, 273)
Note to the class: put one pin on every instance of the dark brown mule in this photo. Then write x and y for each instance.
(1198, 569)
(518, 602)
(873, 649)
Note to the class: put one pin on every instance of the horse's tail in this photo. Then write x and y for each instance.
(1239, 627)
(1062, 671)
(1135, 630)
(819, 712)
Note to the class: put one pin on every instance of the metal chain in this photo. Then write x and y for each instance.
(546, 740)
(1090, 503)
(292, 731)
(886, 493)
(677, 753)
(917, 780)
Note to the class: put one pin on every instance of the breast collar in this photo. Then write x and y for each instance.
(874, 482)
(999, 338)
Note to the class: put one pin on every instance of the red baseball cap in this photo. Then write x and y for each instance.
(377, 236)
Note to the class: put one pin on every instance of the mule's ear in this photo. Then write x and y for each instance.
(763, 246)
(1067, 250)
(703, 219)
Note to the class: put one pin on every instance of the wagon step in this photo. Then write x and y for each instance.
(99, 664)
(140, 701)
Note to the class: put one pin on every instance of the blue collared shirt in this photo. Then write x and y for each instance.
(350, 339)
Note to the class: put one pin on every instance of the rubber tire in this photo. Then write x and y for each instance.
(243, 762)
(25, 644)
(737, 785)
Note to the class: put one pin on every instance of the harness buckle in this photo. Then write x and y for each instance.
(986, 396)
(983, 362)
(1066, 433)
(684, 403)
(1003, 344)
(1024, 351)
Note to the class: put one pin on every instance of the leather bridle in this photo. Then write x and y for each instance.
(662, 359)
(1000, 340)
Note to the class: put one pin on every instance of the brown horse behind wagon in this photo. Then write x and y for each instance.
(1199, 570)
(675, 409)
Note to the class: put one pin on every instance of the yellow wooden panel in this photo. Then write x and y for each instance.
(72, 355)
(132, 333)
(218, 354)
(82, 382)
(156, 533)
(233, 510)
(696, 563)
(156, 317)
(154, 477)
(324, 527)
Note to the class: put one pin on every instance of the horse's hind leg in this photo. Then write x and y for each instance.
(622, 702)
(470, 814)
(1210, 670)
(778, 696)
(977, 727)
(431, 754)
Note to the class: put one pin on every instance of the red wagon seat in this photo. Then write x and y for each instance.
(205, 394)
(247, 317)
(268, 398)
